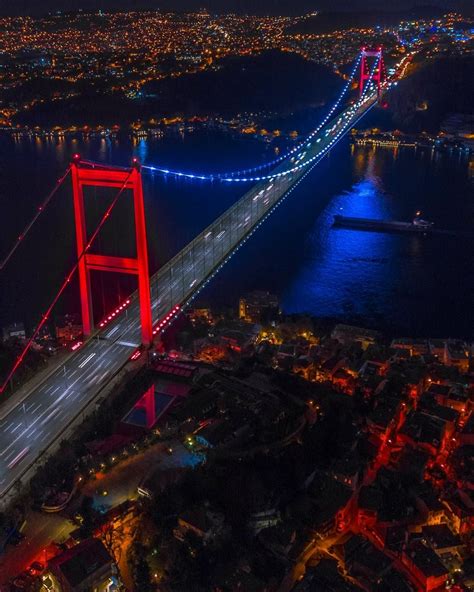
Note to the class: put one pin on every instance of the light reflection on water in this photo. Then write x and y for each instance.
(344, 263)
(401, 282)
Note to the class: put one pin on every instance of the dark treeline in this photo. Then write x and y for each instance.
(434, 90)
(272, 81)
(327, 22)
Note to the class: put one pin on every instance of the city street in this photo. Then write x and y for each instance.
(40, 531)
(120, 483)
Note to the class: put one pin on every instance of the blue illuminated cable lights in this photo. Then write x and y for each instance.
(239, 173)
(269, 177)
(363, 99)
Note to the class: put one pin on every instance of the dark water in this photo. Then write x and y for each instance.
(403, 284)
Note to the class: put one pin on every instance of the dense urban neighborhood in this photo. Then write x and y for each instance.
(263, 452)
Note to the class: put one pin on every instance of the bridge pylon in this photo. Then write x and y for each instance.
(378, 75)
(87, 175)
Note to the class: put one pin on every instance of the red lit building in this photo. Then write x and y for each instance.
(425, 566)
(68, 329)
(87, 566)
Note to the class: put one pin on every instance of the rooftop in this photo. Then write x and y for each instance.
(440, 536)
(426, 560)
(79, 562)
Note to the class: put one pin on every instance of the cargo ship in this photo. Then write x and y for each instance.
(417, 225)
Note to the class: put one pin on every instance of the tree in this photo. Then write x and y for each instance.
(88, 516)
(112, 537)
(141, 575)
(139, 568)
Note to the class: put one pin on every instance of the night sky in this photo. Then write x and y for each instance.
(249, 6)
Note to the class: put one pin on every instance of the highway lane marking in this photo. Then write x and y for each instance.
(97, 378)
(7, 458)
(13, 443)
(92, 379)
(19, 457)
(89, 357)
(37, 406)
(114, 330)
(24, 432)
(30, 430)
(104, 375)
(65, 394)
(52, 414)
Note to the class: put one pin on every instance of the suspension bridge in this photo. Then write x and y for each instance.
(55, 403)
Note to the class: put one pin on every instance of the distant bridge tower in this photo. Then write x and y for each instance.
(83, 175)
(379, 75)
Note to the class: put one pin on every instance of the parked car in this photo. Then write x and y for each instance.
(36, 568)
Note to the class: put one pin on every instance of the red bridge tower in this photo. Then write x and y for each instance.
(83, 175)
(379, 75)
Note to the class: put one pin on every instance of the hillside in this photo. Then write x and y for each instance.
(329, 21)
(434, 90)
(272, 81)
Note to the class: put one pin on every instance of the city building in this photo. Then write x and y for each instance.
(84, 567)
(14, 331)
(347, 334)
(258, 307)
(425, 566)
(68, 329)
